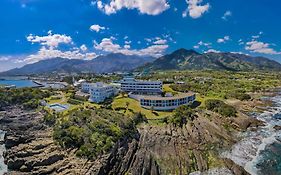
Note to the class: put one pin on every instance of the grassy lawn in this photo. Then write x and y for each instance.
(134, 105)
(168, 89)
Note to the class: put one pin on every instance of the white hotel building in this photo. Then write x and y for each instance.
(98, 91)
(159, 103)
(129, 84)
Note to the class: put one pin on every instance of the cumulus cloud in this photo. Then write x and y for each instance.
(51, 40)
(260, 47)
(149, 7)
(226, 15)
(49, 49)
(212, 51)
(160, 41)
(204, 44)
(224, 39)
(96, 28)
(48, 53)
(107, 45)
(195, 9)
(4, 58)
(83, 48)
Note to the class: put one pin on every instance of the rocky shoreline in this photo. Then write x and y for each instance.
(156, 150)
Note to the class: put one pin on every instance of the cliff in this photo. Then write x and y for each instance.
(157, 149)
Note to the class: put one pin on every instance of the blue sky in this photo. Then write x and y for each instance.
(33, 30)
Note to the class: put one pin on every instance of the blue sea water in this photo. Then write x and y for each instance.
(259, 152)
(19, 83)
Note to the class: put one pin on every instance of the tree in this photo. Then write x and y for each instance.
(181, 116)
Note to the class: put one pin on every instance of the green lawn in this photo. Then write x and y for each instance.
(168, 89)
(134, 105)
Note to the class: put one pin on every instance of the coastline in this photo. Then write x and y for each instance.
(247, 107)
(255, 141)
(3, 166)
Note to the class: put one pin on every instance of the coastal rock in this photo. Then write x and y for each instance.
(277, 127)
(154, 150)
(236, 169)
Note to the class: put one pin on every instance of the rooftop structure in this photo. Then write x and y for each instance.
(98, 91)
(130, 84)
(166, 103)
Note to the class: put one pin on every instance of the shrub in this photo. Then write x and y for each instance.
(220, 107)
(73, 101)
(181, 116)
(240, 96)
(92, 132)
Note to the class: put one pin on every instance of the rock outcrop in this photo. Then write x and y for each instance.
(155, 150)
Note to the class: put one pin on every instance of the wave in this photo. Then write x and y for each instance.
(247, 152)
(3, 166)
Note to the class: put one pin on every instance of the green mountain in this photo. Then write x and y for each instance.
(113, 62)
(183, 59)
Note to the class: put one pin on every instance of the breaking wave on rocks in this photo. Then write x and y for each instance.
(255, 151)
(3, 167)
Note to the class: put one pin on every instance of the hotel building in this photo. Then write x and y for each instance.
(98, 91)
(166, 103)
(129, 84)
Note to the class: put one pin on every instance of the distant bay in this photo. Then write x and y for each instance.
(18, 83)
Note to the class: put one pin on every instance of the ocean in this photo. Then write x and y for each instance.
(259, 152)
(18, 83)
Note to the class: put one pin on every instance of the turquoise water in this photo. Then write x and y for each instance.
(59, 107)
(19, 83)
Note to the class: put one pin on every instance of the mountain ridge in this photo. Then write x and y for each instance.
(113, 62)
(181, 59)
(184, 59)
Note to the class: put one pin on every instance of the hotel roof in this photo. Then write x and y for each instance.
(178, 96)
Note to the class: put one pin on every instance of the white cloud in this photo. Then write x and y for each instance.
(260, 47)
(149, 7)
(212, 51)
(4, 58)
(224, 39)
(107, 45)
(160, 41)
(257, 36)
(204, 44)
(51, 40)
(128, 42)
(226, 15)
(48, 53)
(83, 48)
(241, 42)
(195, 9)
(96, 28)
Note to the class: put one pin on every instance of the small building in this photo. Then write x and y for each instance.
(130, 84)
(166, 103)
(85, 87)
(99, 91)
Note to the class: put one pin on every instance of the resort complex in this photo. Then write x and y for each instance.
(166, 103)
(98, 91)
(129, 84)
(150, 95)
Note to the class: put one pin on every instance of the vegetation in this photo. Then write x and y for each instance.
(93, 132)
(181, 116)
(220, 84)
(128, 106)
(220, 107)
(28, 97)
